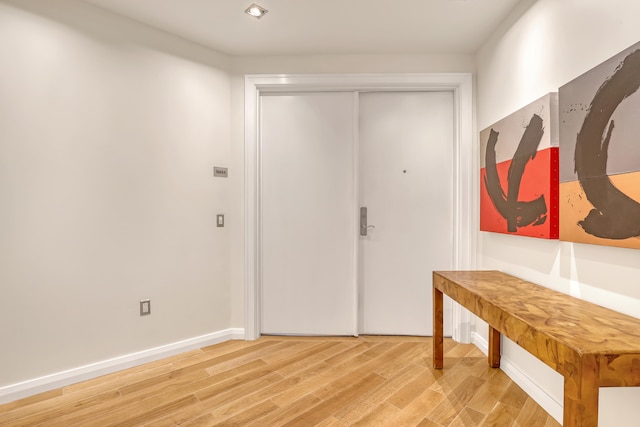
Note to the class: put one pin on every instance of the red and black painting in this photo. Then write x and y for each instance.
(600, 154)
(519, 172)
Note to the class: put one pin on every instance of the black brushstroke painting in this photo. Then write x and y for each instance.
(517, 213)
(614, 215)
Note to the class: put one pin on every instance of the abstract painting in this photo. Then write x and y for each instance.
(600, 154)
(519, 172)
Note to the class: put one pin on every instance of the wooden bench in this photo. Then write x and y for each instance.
(589, 345)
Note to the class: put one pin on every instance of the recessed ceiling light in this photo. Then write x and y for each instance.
(256, 11)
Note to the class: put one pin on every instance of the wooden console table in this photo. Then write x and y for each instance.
(589, 345)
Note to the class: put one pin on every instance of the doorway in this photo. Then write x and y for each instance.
(311, 145)
(457, 88)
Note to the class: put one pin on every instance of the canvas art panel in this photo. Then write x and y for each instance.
(519, 172)
(600, 154)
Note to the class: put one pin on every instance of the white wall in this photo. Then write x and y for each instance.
(545, 44)
(108, 134)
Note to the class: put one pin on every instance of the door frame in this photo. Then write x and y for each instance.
(465, 193)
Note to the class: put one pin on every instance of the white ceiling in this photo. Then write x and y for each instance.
(295, 27)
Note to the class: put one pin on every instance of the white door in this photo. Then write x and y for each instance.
(406, 184)
(318, 276)
(308, 214)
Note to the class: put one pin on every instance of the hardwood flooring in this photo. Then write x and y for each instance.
(294, 381)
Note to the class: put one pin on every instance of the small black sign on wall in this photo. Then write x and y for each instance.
(220, 172)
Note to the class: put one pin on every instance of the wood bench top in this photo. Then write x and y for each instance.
(520, 308)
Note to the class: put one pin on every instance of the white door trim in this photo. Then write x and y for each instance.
(465, 206)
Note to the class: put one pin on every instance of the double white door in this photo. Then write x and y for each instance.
(325, 156)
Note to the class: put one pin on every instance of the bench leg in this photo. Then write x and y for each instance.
(494, 348)
(438, 333)
(581, 392)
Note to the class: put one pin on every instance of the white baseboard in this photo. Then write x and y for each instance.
(537, 393)
(60, 379)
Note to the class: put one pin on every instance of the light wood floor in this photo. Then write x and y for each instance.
(294, 381)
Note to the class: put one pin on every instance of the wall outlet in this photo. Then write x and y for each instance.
(145, 307)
